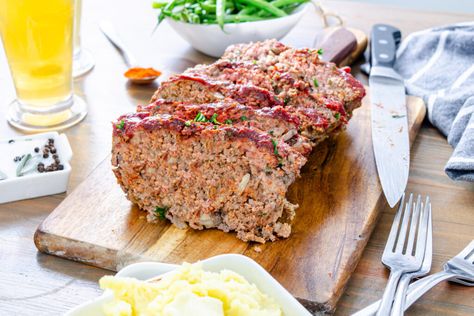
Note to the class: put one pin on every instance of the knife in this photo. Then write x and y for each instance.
(389, 114)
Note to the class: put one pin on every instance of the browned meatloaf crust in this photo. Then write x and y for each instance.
(230, 177)
(219, 145)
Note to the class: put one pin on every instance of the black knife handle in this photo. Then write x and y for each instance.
(383, 45)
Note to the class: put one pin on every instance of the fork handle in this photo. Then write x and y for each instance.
(422, 286)
(400, 295)
(387, 298)
(415, 291)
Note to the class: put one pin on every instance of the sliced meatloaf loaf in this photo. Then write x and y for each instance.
(219, 145)
(205, 175)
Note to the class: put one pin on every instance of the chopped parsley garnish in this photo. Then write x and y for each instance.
(277, 154)
(316, 83)
(228, 121)
(244, 118)
(337, 115)
(275, 149)
(254, 62)
(214, 119)
(320, 51)
(120, 125)
(161, 211)
(187, 123)
(200, 118)
(287, 100)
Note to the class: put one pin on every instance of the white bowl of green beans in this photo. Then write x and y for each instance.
(210, 26)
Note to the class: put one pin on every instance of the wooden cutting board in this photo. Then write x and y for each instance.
(339, 197)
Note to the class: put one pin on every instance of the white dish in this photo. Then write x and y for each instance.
(243, 265)
(33, 184)
(211, 40)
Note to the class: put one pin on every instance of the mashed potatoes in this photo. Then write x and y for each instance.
(189, 291)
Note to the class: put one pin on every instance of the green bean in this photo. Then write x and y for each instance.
(159, 4)
(166, 11)
(220, 12)
(263, 14)
(211, 8)
(248, 10)
(262, 4)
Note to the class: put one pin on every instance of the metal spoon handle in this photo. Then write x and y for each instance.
(109, 31)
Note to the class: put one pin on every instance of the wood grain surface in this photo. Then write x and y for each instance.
(339, 200)
(33, 283)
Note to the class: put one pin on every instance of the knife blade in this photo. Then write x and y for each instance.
(388, 114)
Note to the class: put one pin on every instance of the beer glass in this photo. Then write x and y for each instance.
(37, 38)
(82, 59)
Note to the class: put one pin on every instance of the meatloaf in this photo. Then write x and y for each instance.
(219, 145)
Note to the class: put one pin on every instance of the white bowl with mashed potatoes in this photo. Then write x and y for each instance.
(232, 283)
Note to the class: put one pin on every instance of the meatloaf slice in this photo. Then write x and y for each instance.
(275, 121)
(233, 178)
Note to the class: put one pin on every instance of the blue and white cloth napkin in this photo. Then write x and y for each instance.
(438, 65)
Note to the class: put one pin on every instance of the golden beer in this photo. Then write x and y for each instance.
(38, 41)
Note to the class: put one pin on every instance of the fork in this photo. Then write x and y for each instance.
(459, 269)
(402, 253)
(400, 296)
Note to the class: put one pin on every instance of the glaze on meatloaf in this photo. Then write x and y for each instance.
(219, 145)
(233, 178)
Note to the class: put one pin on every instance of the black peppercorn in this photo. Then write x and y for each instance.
(40, 167)
(11, 141)
(55, 156)
(57, 161)
(51, 141)
(45, 155)
(53, 150)
(60, 167)
(37, 150)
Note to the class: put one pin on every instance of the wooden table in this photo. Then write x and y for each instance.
(32, 282)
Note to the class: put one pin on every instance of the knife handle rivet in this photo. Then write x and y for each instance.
(383, 42)
(384, 56)
(382, 28)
